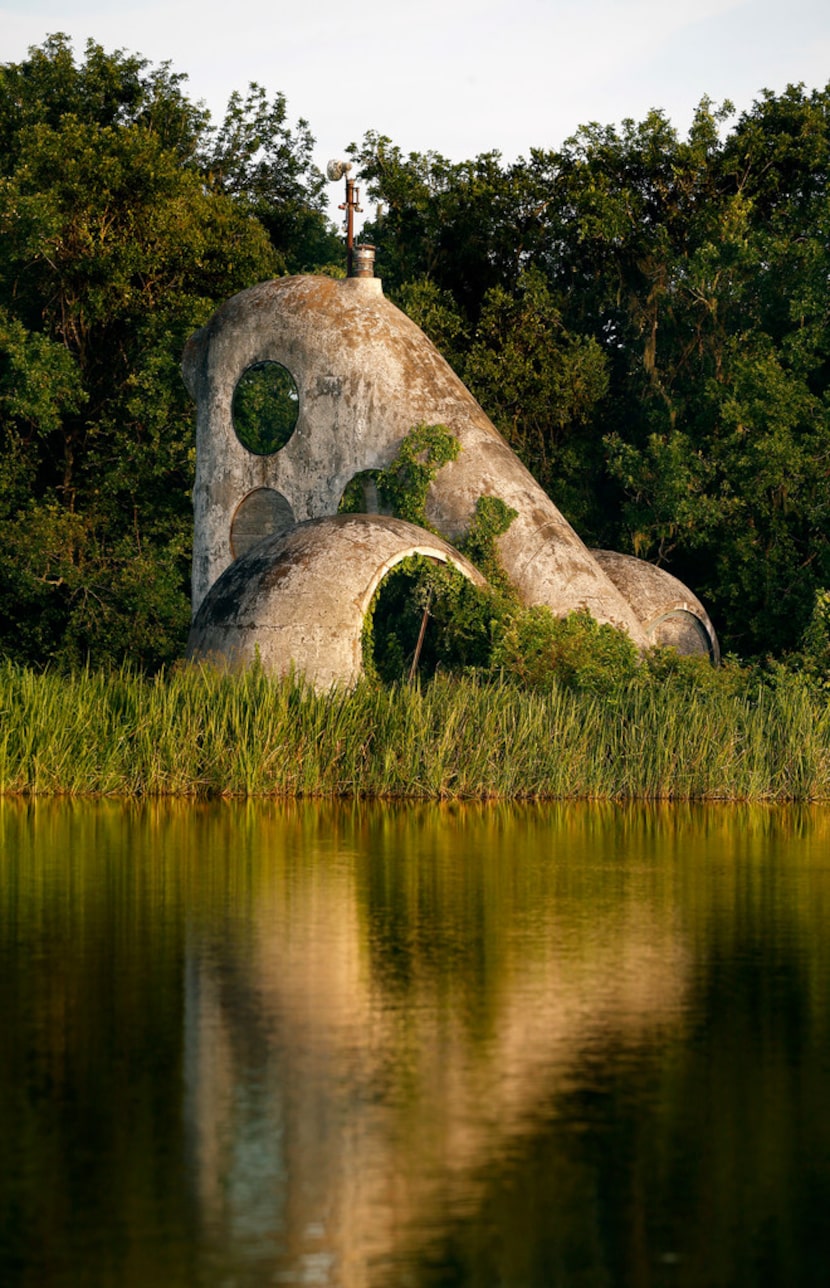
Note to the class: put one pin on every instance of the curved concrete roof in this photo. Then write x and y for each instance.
(366, 375)
(299, 598)
(671, 615)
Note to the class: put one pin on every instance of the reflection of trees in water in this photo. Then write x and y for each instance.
(698, 1160)
(564, 1207)
(566, 1042)
(578, 1151)
(91, 1006)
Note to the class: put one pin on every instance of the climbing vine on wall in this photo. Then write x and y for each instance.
(461, 613)
(403, 485)
(483, 629)
(491, 519)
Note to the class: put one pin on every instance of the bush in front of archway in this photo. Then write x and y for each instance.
(421, 599)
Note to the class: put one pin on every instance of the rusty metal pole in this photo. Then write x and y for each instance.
(350, 205)
(420, 644)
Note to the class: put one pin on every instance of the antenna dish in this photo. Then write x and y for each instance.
(336, 169)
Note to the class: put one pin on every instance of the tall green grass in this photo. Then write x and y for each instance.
(200, 732)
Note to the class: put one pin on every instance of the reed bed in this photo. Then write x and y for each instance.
(199, 732)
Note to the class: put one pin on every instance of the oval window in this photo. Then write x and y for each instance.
(265, 407)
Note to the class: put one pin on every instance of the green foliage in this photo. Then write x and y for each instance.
(257, 158)
(541, 386)
(463, 617)
(456, 632)
(542, 651)
(404, 484)
(645, 319)
(466, 226)
(125, 219)
(471, 627)
(814, 656)
(436, 313)
(39, 382)
(265, 406)
(200, 733)
(694, 678)
(420, 593)
(360, 495)
(491, 519)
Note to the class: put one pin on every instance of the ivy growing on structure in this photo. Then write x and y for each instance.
(491, 519)
(814, 658)
(462, 613)
(403, 485)
(477, 627)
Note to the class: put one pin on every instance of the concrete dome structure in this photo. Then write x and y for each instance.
(670, 614)
(281, 601)
(360, 376)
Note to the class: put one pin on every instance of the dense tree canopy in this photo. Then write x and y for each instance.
(124, 221)
(644, 316)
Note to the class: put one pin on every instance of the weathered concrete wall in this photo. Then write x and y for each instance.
(671, 615)
(366, 375)
(300, 597)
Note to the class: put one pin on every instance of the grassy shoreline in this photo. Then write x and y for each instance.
(199, 733)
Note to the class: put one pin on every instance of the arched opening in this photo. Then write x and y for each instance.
(265, 407)
(425, 616)
(360, 495)
(262, 513)
(683, 631)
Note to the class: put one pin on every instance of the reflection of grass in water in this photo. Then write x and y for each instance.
(200, 732)
(105, 915)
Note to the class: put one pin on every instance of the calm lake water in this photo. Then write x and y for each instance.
(362, 1045)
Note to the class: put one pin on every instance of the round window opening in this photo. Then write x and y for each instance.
(265, 407)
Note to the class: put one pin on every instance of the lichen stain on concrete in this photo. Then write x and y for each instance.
(366, 375)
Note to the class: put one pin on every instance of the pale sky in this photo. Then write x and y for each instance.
(457, 77)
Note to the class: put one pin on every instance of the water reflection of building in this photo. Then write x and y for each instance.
(337, 1111)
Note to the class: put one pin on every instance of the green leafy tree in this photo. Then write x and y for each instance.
(119, 235)
(723, 456)
(542, 387)
(256, 157)
(465, 226)
(541, 651)
(644, 316)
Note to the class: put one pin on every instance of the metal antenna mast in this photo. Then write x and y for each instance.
(336, 170)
